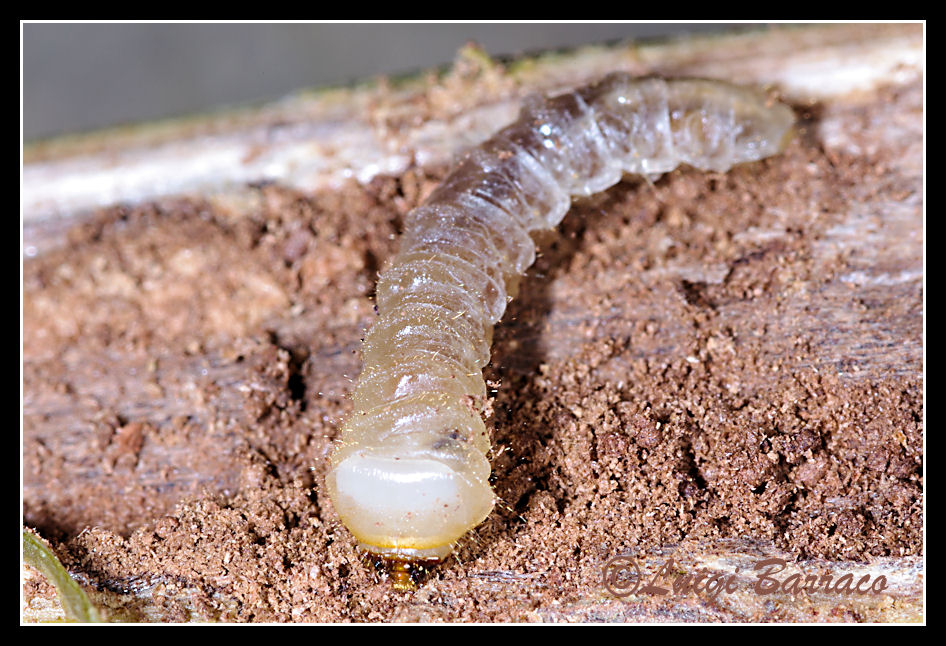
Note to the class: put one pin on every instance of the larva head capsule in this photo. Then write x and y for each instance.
(404, 574)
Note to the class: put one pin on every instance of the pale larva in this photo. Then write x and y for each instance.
(409, 475)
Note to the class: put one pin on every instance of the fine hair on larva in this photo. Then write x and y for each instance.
(409, 474)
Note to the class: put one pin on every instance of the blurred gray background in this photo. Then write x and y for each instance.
(83, 76)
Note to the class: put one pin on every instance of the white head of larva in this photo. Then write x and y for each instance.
(411, 477)
(409, 508)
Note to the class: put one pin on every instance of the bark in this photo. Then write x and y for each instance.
(842, 299)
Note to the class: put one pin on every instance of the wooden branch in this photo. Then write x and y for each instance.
(194, 292)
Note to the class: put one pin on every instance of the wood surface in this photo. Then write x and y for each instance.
(859, 89)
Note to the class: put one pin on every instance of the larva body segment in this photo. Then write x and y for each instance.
(409, 475)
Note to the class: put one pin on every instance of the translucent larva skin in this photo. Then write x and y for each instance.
(409, 474)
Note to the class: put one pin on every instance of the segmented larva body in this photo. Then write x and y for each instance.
(410, 475)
